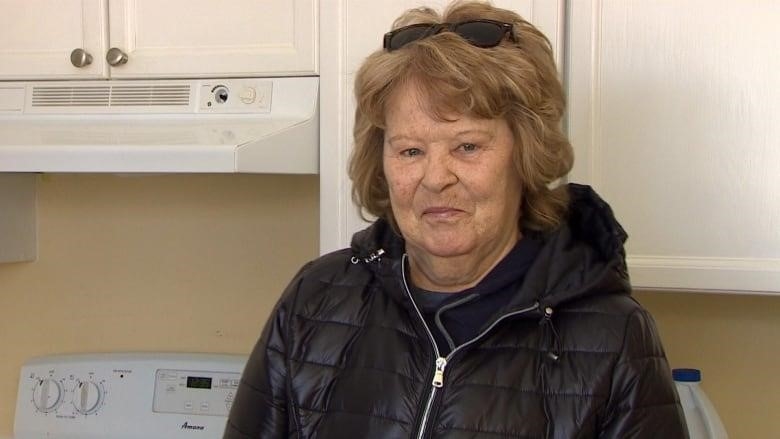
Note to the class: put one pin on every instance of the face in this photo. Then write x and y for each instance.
(453, 187)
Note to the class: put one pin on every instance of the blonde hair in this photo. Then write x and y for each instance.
(516, 81)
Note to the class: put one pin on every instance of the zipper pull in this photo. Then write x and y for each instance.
(438, 375)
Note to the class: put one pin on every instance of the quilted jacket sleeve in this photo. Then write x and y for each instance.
(260, 409)
(643, 399)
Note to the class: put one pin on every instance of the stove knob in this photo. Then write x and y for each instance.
(87, 397)
(47, 394)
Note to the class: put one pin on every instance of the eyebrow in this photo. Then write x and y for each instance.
(398, 137)
(490, 134)
(487, 133)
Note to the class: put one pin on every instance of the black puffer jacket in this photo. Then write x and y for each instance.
(346, 354)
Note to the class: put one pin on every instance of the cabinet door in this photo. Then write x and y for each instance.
(38, 36)
(351, 30)
(202, 38)
(674, 110)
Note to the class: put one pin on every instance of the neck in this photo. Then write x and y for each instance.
(456, 273)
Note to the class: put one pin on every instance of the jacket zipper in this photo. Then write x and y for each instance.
(442, 362)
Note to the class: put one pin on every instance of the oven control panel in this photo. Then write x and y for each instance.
(128, 395)
(194, 391)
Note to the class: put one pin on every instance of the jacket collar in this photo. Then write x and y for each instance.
(582, 257)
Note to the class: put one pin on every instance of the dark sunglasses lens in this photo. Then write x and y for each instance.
(409, 35)
(480, 33)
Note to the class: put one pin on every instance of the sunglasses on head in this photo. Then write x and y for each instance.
(480, 33)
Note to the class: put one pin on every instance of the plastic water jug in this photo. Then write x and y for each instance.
(700, 415)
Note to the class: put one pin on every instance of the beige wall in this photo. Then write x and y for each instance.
(174, 263)
(195, 262)
(735, 341)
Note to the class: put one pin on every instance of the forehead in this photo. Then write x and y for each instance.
(433, 96)
(409, 102)
(410, 96)
(410, 109)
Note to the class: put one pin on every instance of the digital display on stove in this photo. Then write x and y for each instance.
(198, 382)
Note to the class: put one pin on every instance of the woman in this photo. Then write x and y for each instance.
(481, 303)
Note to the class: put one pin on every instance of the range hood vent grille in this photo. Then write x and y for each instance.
(208, 125)
(111, 96)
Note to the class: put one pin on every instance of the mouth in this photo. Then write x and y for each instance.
(441, 212)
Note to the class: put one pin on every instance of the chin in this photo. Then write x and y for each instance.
(446, 249)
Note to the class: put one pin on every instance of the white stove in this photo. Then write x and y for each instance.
(126, 396)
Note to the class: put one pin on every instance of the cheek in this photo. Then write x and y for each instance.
(500, 193)
(399, 184)
(401, 193)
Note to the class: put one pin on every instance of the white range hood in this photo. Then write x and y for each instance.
(252, 125)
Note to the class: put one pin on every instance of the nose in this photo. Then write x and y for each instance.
(438, 173)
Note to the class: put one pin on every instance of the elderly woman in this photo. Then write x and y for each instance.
(482, 302)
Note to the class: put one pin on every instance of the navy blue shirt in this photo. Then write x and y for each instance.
(455, 318)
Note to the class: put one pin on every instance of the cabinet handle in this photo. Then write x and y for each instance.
(80, 58)
(116, 57)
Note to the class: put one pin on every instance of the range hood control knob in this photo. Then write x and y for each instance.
(47, 394)
(221, 94)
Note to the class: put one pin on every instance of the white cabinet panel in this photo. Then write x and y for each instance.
(673, 115)
(208, 38)
(38, 36)
(172, 38)
(351, 30)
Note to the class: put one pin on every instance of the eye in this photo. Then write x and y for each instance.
(411, 152)
(468, 147)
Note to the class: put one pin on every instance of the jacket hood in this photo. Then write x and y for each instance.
(583, 256)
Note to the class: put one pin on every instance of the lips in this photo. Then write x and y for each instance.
(441, 211)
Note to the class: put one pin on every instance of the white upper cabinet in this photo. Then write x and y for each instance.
(38, 36)
(83, 39)
(351, 30)
(674, 110)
